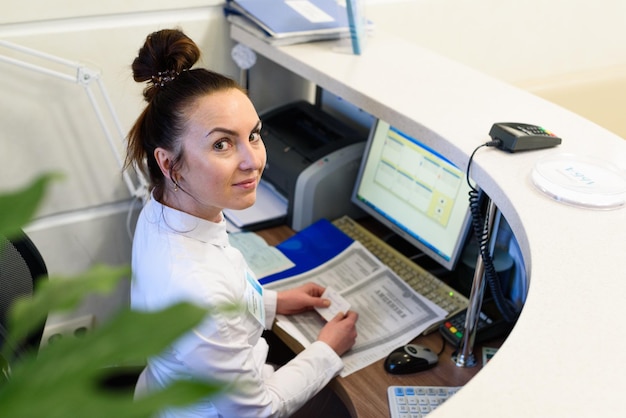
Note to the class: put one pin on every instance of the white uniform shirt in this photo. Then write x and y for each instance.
(178, 257)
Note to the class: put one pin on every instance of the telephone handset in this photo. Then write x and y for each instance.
(515, 137)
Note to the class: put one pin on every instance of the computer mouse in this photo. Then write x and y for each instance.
(410, 358)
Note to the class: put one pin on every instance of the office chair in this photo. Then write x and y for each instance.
(21, 267)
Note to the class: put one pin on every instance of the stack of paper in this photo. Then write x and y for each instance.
(390, 312)
(284, 22)
(269, 209)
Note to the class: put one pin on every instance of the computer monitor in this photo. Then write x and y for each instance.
(414, 191)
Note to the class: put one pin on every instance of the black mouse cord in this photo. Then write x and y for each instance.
(443, 345)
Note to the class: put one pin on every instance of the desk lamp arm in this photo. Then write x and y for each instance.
(85, 77)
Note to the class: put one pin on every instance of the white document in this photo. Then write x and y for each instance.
(390, 312)
(262, 258)
(269, 205)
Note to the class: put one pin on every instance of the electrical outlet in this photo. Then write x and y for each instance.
(71, 328)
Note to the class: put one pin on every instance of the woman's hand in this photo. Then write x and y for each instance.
(340, 332)
(300, 299)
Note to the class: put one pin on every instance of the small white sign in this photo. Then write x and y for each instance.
(309, 11)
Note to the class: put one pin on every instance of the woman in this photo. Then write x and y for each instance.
(200, 137)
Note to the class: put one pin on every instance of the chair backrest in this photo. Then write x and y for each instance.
(21, 266)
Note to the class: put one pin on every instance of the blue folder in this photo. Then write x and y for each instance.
(311, 247)
(278, 18)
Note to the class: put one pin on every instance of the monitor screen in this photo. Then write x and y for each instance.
(414, 191)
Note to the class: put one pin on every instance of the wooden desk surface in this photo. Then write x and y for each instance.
(365, 392)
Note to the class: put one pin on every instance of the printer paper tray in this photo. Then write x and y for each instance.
(270, 208)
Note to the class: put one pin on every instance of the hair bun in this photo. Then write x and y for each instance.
(164, 55)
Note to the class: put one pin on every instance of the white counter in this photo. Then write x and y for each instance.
(564, 356)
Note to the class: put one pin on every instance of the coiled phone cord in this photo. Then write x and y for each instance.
(506, 307)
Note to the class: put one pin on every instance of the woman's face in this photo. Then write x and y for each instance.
(223, 156)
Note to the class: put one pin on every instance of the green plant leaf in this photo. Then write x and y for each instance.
(66, 378)
(18, 208)
(69, 377)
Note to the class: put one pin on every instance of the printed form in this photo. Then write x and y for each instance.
(390, 312)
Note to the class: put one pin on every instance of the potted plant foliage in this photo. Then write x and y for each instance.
(73, 377)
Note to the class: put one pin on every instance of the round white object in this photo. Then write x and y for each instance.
(243, 56)
(581, 181)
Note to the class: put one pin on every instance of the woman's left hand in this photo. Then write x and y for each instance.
(300, 299)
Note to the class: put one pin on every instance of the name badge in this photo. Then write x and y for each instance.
(254, 298)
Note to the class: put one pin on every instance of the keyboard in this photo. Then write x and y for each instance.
(422, 281)
(417, 401)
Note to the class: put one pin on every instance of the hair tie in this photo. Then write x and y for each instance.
(163, 77)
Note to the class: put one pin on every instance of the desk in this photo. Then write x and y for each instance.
(365, 392)
(566, 348)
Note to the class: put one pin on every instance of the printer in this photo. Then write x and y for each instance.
(312, 161)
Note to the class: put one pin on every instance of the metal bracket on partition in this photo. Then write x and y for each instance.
(86, 75)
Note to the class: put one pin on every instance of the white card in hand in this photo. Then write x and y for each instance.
(337, 304)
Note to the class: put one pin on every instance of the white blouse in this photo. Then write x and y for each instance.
(178, 257)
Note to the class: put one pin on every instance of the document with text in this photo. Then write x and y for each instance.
(390, 312)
